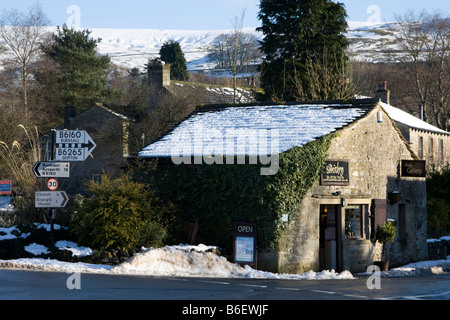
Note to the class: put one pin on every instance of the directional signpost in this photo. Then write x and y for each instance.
(51, 199)
(51, 169)
(73, 145)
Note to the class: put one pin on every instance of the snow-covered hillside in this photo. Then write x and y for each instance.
(134, 47)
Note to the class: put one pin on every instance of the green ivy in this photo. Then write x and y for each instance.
(218, 195)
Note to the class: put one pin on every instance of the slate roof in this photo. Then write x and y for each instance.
(252, 129)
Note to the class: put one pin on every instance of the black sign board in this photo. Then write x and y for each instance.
(335, 173)
(245, 237)
(414, 168)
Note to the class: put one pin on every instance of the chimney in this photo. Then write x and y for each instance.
(382, 92)
(158, 74)
(69, 113)
(421, 115)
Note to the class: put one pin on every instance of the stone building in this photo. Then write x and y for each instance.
(109, 130)
(430, 144)
(363, 183)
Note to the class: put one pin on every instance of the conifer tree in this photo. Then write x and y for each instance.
(171, 52)
(304, 50)
(82, 73)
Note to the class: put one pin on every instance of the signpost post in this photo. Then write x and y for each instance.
(71, 145)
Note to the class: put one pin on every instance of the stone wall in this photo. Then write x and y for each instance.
(438, 249)
(436, 159)
(374, 151)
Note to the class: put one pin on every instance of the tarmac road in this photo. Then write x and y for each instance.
(36, 285)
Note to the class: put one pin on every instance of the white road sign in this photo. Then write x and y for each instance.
(73, 145)
(52, 169)
(50, 199)
(71, 136)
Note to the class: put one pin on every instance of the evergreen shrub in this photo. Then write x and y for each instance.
(120, 214)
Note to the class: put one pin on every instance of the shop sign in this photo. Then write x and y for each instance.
(413, 168)
(245, 235)
(335, 173)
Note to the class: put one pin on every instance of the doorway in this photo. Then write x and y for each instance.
(328, 238)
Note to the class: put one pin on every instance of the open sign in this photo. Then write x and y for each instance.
(245, 237)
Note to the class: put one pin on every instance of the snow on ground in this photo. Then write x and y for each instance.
(187, 261)
(170, 261)
(194, 261)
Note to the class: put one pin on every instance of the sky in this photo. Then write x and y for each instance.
(195, 14)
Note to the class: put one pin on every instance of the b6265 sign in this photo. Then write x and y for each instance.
(73, 145)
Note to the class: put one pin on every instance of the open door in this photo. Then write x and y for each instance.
(328, 239)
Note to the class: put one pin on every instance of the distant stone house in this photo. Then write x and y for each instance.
(159, 79)
(430, 144)
(109, 130)
(362, 183)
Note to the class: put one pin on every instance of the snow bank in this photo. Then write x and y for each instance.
(185, 261)
(171, 261)
(422, 268)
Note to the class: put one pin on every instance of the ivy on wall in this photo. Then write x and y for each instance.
(218, 195)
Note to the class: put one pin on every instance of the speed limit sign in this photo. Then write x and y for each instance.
(52, 184)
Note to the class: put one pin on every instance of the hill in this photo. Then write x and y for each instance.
(131, 48)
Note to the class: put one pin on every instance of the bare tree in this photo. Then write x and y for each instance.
(235, 51)
(22, 33)
(423, 42)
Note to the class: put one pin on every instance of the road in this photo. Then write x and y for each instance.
(31, 285)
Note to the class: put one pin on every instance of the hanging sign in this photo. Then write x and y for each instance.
(335, 173)
(414, 168)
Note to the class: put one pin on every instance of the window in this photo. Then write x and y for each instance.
(430, 148)
(357, 220)
(441, 150)
(97, 178)
(421, 147)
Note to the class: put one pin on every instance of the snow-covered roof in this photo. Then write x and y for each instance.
(253, 130)
(411, 121)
